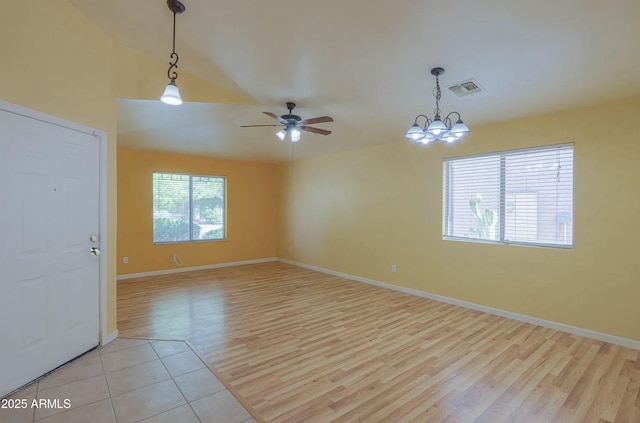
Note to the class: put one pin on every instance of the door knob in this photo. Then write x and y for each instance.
(95, 251)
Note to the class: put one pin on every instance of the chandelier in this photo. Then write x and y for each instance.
(437, 129)
(171, 93)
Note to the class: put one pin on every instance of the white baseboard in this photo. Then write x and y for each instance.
(193, 268)
(109, 337)
(605, 337)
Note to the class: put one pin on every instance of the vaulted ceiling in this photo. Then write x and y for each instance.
(366, 64)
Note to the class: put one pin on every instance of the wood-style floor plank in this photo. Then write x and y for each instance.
(296, 345)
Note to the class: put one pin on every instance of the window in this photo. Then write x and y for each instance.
(514, 197)
(188, 207)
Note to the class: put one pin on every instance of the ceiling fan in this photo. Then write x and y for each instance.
(293, 124)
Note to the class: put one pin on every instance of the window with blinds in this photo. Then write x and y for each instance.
(513, 197)
(188, 207)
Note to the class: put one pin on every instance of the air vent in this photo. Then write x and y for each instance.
(463, 88)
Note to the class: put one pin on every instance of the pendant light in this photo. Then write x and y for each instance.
(438, 128)
(171, 93)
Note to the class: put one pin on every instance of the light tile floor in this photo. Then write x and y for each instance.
(127, 381)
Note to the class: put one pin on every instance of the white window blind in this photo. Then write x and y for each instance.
(518, 197)
(188, 207)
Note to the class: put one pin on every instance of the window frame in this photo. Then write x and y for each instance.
(502, 201)
(190, 240)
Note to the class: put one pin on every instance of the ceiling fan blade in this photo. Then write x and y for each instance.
(255, 126)
(278, 118)
(320, 119)
(315, 130)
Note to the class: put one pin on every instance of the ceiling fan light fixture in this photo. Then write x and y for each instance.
(295, 135)
(438, 129)
(171, 94)
(281, 134)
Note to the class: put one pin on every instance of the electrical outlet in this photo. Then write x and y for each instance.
(125, 260)
(289, 248)
(393, 268)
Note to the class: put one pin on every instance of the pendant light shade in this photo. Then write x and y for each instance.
(171, 94)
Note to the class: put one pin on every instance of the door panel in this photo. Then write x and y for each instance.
(49, 280)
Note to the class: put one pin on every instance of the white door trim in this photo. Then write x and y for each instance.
(104, 336)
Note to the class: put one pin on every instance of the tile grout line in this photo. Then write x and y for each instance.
(175, 383)
(70, 409)
(206, 366)
(75, 360)
(146, 386)
(104, 371)
(38, 390)
(142, 387)
(227, 386)
(129, 347)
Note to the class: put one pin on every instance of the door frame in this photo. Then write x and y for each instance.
(103, 336)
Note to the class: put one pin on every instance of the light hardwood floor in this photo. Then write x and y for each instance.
(296, 345)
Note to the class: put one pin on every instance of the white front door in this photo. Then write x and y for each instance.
(49, 277)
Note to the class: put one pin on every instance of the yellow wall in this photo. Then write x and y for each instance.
(252, 190)
(359, 212)
(56, 62)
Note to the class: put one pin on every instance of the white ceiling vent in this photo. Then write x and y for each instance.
(470, 86)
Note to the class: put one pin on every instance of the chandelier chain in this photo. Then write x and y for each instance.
(438, 97)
